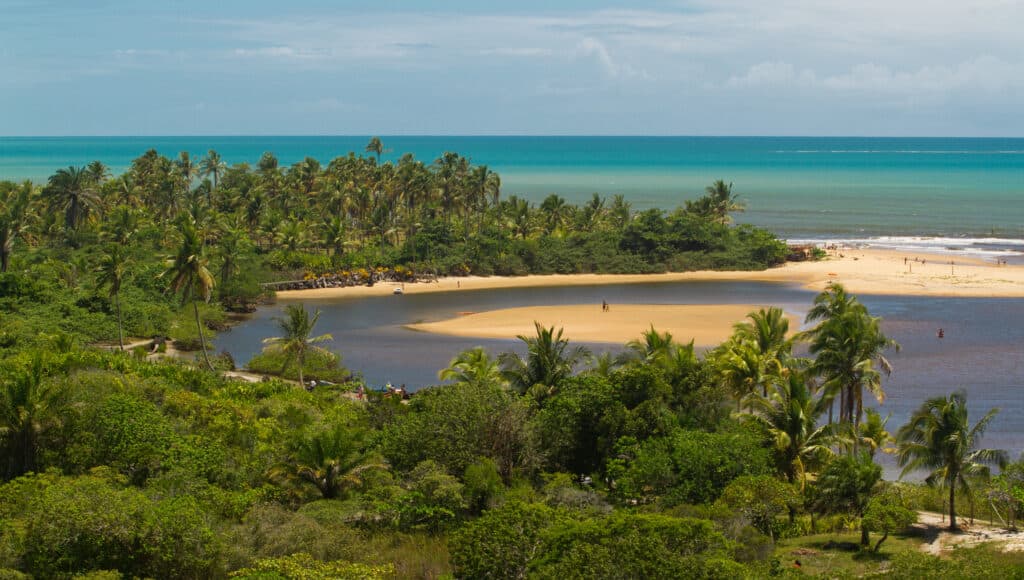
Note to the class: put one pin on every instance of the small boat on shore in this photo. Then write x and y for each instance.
(398, 291)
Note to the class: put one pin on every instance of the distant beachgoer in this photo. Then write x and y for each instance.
(458, 284)
(941, 333)
(360, 393)
(604, 306)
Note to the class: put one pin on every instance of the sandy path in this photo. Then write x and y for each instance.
(705, 325)
(861, 271)
(939, 540)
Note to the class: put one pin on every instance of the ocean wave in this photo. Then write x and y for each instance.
(902, 151)
(987, 247)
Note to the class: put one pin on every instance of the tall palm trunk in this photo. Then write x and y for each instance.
(952, 505)
(302, 362)
(202, 339)
(120, 326)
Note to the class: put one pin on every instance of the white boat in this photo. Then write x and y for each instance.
(398, 290)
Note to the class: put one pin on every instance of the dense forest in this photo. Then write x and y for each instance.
(748, 460)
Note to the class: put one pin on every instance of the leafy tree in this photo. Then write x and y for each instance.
(940, 438)
(296, 342)
(887, 513)
(503, 542)
(213, 166)
(625, 545)
(189, 276)
(761, 499)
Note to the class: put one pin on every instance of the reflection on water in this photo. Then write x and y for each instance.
(982, 352)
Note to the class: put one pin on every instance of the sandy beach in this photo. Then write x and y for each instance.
(861, 271)
(705, 325)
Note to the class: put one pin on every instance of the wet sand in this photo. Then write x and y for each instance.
(705, 325)
(861, 271)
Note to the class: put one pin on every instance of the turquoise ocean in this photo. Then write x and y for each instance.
(960, 195)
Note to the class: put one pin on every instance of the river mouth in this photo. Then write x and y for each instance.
(982, 349)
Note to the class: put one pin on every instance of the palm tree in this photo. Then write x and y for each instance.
(122, 224)
(72, 191)
(723, 201)
(767, 328)
(14, 204)
(549, 361)
(213, 166)
(190, 277)
(112, 271)
(940, 438)
(473, 366)
(848, 345)
(872, 434)
(375, 146)
(333, 461)
(743, 370)
(296, 342)
(25, 402)
(791, 414)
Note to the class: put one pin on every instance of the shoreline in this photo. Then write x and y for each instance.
(861, 271)
(706, 325)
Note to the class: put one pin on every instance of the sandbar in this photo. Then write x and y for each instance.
(704, 324)
(861, 271)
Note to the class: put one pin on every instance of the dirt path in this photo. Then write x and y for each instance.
(933, 528)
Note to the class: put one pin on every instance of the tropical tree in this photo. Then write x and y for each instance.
(849, 346)
(791, 414)
(723, 201)
(376, 147)
(334, 461)
(473, 366)
(112, 271)
(14, 214)
(549, 361)
(297, 341)
(847, 485)
(213, 166)
(767, 328)
(940, 438)
(26, 400)
(189, 276)
(72, 191)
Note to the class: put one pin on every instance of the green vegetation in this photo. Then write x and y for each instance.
(660, 462)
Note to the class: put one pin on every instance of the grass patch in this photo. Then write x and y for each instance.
(839, 554)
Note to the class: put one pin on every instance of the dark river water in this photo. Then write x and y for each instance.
(982, 351)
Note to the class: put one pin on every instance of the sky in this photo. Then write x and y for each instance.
(648, 67)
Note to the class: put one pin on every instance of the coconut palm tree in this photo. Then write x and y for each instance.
(25, 403)
(297, 341)
(189, 276)
(767, 328)
(112, 271)
(187, 170)
(744, 370)
(334, 461)
(549, 361)
(14, 217)
(940, 438)
(473, 366)
(723, 201)
(848, 345)
(375, 146)
(791, 413)
(72, 191)
(213, 166)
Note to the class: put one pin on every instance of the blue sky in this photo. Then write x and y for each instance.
(721, 67)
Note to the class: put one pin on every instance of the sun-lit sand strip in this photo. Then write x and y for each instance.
(705, 324)
(861, 271)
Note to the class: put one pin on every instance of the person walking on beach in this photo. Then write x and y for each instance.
(941, 333)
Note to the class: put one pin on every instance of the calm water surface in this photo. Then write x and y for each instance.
(982, 352)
